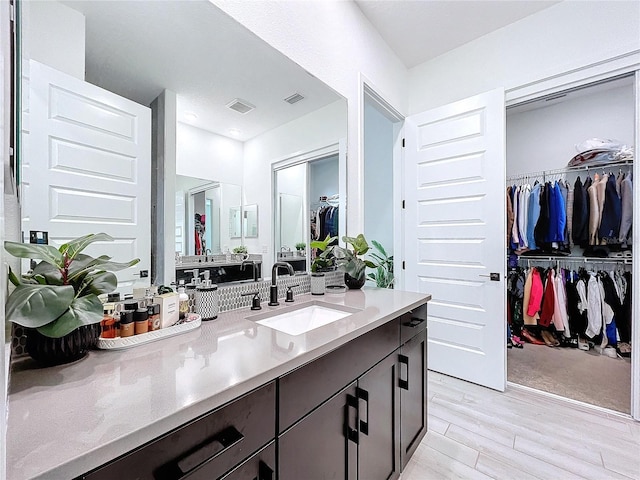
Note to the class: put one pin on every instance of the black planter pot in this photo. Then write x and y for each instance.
(354, 283)
(57, 351)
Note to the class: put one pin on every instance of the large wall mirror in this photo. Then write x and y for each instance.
(239, 107)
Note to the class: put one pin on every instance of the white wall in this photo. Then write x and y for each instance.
(559, 39)
(203, 154)
(324, 127)
(54, 34)
(335, 42)
(324, 176)
(378, 177)
(545, 138)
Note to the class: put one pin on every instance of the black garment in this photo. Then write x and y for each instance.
(611, 213)
(580, 218)
(577, 320)
(515, 297)
(611, 298)
(542, 226)
(624, 324)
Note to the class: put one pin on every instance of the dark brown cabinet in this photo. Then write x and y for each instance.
(413, 394)
(260, 466)
(379, 422)
(323, 445)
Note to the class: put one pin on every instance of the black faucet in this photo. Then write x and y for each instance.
(273, 290)
(254, 268)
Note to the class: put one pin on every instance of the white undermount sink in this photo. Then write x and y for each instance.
(301, 318)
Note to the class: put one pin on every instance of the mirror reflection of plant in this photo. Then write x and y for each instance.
(61, 293)
(240, 249)
(325, 260)
(383, 273)
(350, 259)
(301, 246)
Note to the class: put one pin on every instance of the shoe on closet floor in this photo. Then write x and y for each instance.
(610, 352)
(549, 339)
(624, 350)
(530, 338)
(583, 344)
(516, 342)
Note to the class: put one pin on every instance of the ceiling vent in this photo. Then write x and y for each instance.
(240, 106)
(295, 98)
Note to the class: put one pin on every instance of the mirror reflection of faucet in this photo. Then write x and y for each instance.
(273, 290)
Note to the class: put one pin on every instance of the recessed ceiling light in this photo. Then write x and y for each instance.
(235, 132)
(190, 116)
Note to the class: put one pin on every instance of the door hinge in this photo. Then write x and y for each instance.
(403, 205)
(12, 12)
(403, 144)
(403, 265)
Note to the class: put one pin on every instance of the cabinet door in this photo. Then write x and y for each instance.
(413, 394)
(379, 422)
(260, 466)
(322, 445)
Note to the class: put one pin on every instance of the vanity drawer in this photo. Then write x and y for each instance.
(215, 443)
(305, 388)
(412, 323)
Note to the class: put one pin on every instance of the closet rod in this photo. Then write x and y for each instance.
(624, 261)
(544, 173)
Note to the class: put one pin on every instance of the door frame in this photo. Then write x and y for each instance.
(369, 93)
(580, 77)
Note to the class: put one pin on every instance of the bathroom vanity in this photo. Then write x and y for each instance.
(237, 399)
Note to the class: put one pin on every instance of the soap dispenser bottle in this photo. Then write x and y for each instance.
(183, 300)
(207, 301)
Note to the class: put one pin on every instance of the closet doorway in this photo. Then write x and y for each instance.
(576, 340)
(307, 205)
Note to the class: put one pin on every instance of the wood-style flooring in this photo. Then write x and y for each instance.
(478, 433)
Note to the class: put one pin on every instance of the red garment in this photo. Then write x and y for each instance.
(535, 296)
(548, 302)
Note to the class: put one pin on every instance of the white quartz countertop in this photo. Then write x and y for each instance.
(66, 420)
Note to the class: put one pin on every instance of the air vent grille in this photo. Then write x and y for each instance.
(295, 98)
(240, 106)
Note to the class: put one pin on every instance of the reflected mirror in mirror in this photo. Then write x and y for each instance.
(235, 223)
(200, 230)
(291, 221)
(250, 219)
(124, 47)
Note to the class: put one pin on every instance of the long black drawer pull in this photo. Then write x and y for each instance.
(264, 472)
(351, 433)
(208, 450)
(362, 394)
(414, 322)
(404, 384)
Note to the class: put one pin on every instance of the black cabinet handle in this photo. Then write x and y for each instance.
(414, 322)
(264, 472)
(362, 394)
(404, 384)
(351, 433)
(205, 452)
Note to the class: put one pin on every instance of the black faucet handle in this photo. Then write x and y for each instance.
(290, 293)
(255, 302)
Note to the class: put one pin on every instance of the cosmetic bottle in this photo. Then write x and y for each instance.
(207, 299)
(141, 320)
(107, 325)
(153, 311)
(183, 305)
(127, 327)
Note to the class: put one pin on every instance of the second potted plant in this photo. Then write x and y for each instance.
(323, 261)
(350, 259)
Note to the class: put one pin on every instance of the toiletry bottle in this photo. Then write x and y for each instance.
(153, 311)
(127, 327)
(183, 301)
(107, 325)
(207, 299)
(141, 320)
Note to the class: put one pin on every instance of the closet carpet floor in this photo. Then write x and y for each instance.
(478, 433)
(585, 376)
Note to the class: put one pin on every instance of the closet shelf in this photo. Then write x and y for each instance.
(543, 174)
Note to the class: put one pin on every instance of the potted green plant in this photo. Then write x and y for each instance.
(58, 300)
(241, 252)
(383, 273)
(323, 261)
(301, 247)
(351, 261)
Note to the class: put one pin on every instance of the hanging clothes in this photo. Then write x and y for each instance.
(626, 213)
(609, 230)
(580, 217)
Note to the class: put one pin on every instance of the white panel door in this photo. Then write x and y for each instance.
(455, 233)
(87, 168)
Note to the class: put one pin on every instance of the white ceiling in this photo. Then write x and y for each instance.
(419, 30)
(139, 48)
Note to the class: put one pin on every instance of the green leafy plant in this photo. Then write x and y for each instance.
(61, 293)
(350, 259)
(383, 273)
(324, 260)
(240, 249)
(301, 246)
